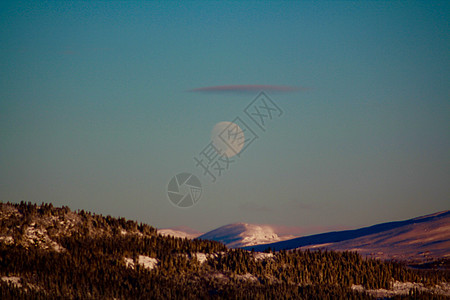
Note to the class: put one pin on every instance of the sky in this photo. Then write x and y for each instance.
(97, 110)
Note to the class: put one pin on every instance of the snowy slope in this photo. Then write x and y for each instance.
(417, 241)
(243, 234)
(182, 232)
(414, 239)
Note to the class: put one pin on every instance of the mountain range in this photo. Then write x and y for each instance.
(418, 239)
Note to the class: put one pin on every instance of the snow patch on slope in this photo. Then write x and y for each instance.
(201, 257)
(145, 261)
(404, 288)
(129, 262)
(262, 256)
(246, 277)
(13, 280)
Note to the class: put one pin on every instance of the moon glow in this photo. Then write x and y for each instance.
(228, 138)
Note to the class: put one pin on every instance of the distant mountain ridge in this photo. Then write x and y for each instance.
(418, 239)
(181, 232)
(414, 239)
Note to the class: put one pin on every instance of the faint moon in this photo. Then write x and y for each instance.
(228, 138)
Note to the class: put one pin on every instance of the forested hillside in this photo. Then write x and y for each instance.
(48, 252)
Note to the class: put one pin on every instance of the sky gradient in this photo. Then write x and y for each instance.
(96, 113)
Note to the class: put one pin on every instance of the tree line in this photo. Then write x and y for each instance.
(92, 266)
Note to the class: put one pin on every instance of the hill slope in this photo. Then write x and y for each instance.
(414, 239)
(52, 253)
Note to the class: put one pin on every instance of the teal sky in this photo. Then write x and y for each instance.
(95, 113)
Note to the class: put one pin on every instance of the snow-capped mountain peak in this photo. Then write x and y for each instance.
(243, 234)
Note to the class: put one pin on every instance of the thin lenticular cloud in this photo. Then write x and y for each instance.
(247, 88)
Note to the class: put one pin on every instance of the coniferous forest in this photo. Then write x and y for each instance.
(61, 254)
